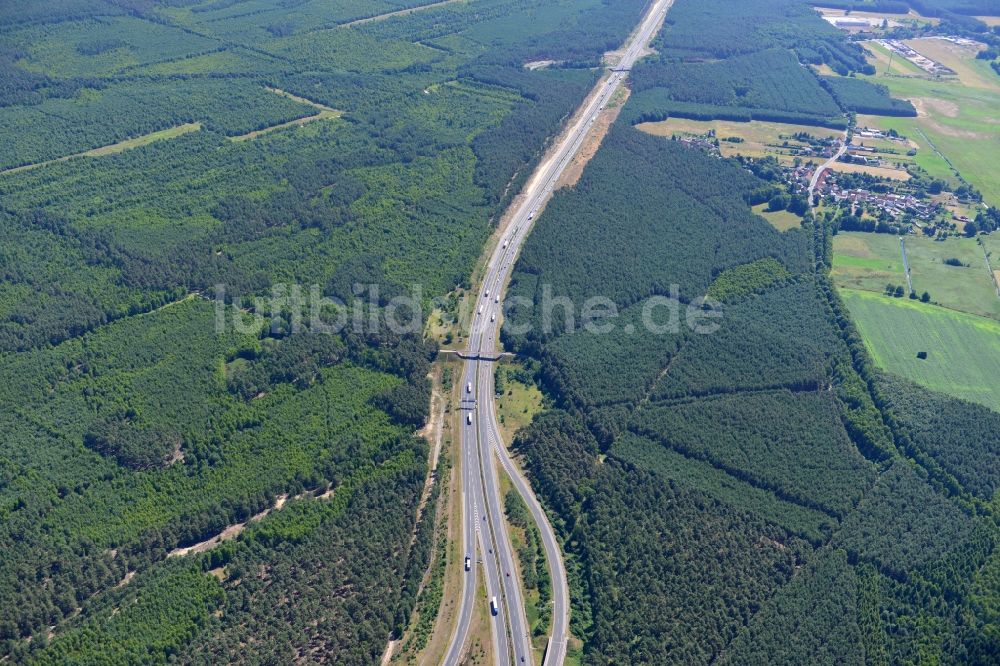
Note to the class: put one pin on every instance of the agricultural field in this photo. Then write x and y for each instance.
(869, 262)
(893, 172)
(956, 123)
(963, 350)
(992, 245)
(757, 138)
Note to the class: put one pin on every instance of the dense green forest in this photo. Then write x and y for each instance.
(708, 488)
(595, 369)
(732, 27)
(941, 8)
(746, 60)
(757, 494)
(134, 427)
(860, 96)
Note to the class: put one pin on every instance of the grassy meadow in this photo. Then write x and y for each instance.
(963, 351)
(869, 262)
(957, 116)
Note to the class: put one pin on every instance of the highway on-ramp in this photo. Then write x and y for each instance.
(483, 518)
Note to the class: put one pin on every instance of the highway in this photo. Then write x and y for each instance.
(485, 536)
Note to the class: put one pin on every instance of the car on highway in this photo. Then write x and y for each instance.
(468, 562)
(493, 317)
(493, 606)
(468, 418)
(468, 387)
(497, 299)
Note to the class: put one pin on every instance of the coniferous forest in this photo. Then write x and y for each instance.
(188, 476)
(150, 151)
(760, 494)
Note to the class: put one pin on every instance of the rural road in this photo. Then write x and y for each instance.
(824, 166)
(482, 504)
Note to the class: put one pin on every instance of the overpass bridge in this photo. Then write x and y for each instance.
(467, 355)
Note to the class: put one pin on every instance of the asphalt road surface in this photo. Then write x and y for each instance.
(826, 165)
(484, 524)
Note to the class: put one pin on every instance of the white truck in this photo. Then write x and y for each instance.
(493, 606)
(468, 387)
(468, 418)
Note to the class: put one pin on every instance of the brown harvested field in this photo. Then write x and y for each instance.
(756, 131)
(886, 172)
(760, 138)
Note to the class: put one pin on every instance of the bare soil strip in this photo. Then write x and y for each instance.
(398, 12)
(230, 532)
(325, 113)
(595, 136)
(121, 146)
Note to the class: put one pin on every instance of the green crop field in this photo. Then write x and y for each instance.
(963, 351)
(968, 288)
(867, 261)
(992, 245)
(871, 261)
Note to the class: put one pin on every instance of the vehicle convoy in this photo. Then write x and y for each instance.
(493, 605)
